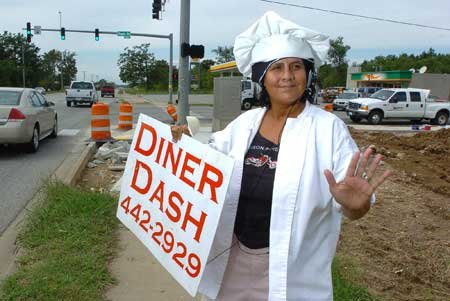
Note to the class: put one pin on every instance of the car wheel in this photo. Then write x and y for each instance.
(375, 117)
(440, 119)
(54, 133)
(355, 119)
(246, 105)
(68, 103)
(33, 145)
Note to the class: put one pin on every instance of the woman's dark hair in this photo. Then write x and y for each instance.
(264, 98)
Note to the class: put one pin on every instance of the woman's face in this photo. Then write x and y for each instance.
(285, 80)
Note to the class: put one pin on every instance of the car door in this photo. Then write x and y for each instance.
(38, 112)
(398, 106)
(48, 113)
(416, 106)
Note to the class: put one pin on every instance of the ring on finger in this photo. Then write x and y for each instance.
(364, 176)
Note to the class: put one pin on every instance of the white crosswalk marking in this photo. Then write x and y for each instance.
(68, 132)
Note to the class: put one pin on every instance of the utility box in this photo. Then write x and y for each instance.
(227, 101)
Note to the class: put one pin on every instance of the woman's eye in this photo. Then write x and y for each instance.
(298, 66)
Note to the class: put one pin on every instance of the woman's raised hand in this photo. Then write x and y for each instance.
(360, 182)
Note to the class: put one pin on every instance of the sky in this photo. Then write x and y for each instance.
(216, 23)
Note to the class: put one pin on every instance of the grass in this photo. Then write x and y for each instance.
(343, 272)
(67, 242)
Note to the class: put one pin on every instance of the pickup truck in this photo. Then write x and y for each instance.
(81, 92)
(107, 90)
(402, 103)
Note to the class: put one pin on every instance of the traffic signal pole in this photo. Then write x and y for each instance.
(183, 73)
(169, 37)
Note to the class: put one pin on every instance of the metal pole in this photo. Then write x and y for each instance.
(171, 69)
(60, 19)
(23, 65)
(62, 64)
(184, 79)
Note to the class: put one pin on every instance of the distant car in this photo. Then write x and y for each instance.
(40, 90)
(367, 91)
(81, 92)
(26, 117)
(341, 101)
(107, 90)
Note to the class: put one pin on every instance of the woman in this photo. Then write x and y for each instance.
(297, 170)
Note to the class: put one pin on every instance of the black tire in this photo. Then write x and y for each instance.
(68, 103)
(375, 117)
(356, 119)
(54, 133)
(33, 145)
(246, 105)
(440, 119)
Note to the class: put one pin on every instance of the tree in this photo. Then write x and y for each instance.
(53, 63)
(12, 63)
(335, 73)
(224, 54)
(138, 66)
(435, 62)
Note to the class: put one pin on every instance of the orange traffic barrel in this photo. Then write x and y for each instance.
(100, 127)
(125, 116)
(328, 107)
(172, 111)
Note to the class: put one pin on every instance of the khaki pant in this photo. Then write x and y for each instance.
(246, 276)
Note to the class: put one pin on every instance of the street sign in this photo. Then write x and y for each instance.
(124, 34)
(37, 29)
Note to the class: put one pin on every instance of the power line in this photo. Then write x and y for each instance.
(355, 15)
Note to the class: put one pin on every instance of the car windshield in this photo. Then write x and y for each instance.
(382, 94)
(348, 95)
(9, 98)
(81, 85)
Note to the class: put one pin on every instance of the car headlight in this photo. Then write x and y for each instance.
(364, 108)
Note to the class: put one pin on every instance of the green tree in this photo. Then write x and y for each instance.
(12, 63)
(435, 62)
(335, 73)
(223, 54)
(138, 66)
(52, 64)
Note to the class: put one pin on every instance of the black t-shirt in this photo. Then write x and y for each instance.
(252, 224)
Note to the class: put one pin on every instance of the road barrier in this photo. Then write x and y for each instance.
(172, 111)
(328, 107)
(100, 126)
(125, 116)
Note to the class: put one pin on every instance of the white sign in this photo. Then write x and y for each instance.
(37, 29)
(171, 198)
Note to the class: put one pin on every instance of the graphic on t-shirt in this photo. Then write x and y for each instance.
(261, 161)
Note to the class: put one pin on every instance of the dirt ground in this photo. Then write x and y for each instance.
(401, 248)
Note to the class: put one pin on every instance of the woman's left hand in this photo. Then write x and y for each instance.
(355, 190)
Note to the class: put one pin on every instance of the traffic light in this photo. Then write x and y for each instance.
(28, 32)
(156, 9)
(194, 51)
(63, 33)
(97, 37)
(197, 51)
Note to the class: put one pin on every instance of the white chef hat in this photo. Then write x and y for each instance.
(272, 37)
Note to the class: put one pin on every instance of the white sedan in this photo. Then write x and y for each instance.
(26, 117)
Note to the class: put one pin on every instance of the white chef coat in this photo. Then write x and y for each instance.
(305, 219)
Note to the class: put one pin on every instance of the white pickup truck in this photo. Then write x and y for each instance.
(81, 92)
(402, 103)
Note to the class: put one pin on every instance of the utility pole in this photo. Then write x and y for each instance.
(23, 65)
(62, 66)
(183, 73)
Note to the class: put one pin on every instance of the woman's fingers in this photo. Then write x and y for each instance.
(178, 131)
(352, 166)
(363, 164)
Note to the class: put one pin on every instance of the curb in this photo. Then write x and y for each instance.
(68, 172)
